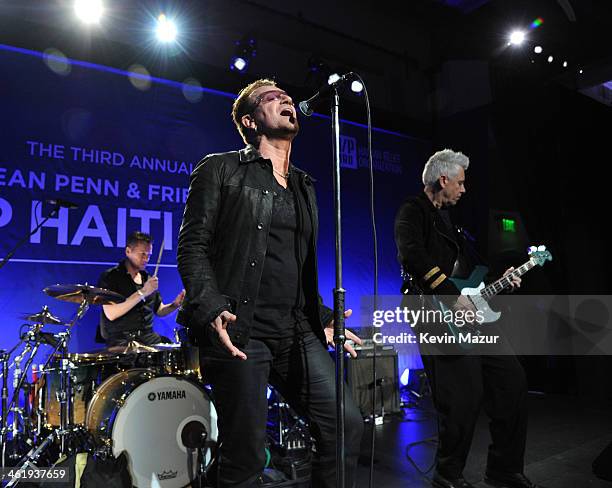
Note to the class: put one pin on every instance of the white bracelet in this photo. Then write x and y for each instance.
(142, 295)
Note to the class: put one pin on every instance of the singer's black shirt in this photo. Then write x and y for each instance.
(280, 302)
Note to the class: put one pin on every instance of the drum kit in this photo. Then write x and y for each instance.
(146, 401)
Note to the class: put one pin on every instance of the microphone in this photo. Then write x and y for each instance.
(306, 107)
(61, 203)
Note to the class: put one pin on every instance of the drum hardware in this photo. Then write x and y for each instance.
(288, 439)
(130, 410)
(85, 295)
(289, 431)
(43, 317)
(68, 435)
(4, 358)
(21, 428)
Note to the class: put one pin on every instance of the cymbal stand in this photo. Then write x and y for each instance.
(65, 397)
(32, 342)
(65, 383)
(65, 392)
(19, 376)
(4, 358)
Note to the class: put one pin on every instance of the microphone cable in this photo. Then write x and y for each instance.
(375, 251)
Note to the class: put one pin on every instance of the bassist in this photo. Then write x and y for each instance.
(430, 253)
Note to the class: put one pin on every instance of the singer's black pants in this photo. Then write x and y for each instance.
(302, 370)
(460, 386)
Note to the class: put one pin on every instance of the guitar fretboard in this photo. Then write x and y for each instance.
(505, 281)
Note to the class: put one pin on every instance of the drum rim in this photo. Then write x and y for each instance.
(97, 397)
(118, 405)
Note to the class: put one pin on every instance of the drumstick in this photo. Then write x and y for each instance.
(161, 250)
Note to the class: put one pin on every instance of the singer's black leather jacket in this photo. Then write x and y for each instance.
(425, 250)
(223, 241)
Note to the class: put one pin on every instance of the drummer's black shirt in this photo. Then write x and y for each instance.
(140, 317)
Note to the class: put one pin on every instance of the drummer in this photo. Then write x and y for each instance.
(132, 320)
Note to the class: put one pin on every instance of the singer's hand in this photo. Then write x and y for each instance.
(329, 335)
(220, 325)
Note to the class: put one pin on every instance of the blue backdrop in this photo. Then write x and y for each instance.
(122, 148)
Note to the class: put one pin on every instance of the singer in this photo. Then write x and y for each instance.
(247, 257)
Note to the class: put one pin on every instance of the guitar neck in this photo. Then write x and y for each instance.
(506, 281)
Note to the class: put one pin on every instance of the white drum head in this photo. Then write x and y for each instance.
(149, 424)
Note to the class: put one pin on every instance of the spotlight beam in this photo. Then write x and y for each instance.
(165, 29)
(517, 37)
(89, 11)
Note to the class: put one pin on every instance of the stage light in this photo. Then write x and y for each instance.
(239, 64)
(246, 49)
(165, 30)
(89, 11)
(357, 86)
(538, 49)
(517, 38)
(565, 64)
(580, 71)
(405, 377)
(333, 78)
(550, 59)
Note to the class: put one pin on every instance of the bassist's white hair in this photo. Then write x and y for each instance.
(446, 162)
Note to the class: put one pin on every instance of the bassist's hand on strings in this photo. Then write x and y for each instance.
(515, 281)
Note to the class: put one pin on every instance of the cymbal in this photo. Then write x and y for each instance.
(133, 347)
(166, 346)
(99, 356)
(43, 317)
(78, 293)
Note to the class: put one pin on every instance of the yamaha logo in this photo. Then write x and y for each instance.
(167, 395)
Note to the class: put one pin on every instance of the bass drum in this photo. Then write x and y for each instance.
(158, 421)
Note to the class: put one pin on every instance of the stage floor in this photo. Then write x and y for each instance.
(564, 437)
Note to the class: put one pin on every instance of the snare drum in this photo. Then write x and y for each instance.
(151, 417)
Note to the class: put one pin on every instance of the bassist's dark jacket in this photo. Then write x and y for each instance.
(426, 251)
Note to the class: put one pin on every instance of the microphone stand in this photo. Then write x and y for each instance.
(339, 303)
(25, 238)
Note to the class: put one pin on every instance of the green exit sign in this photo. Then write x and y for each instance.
(508, 225)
